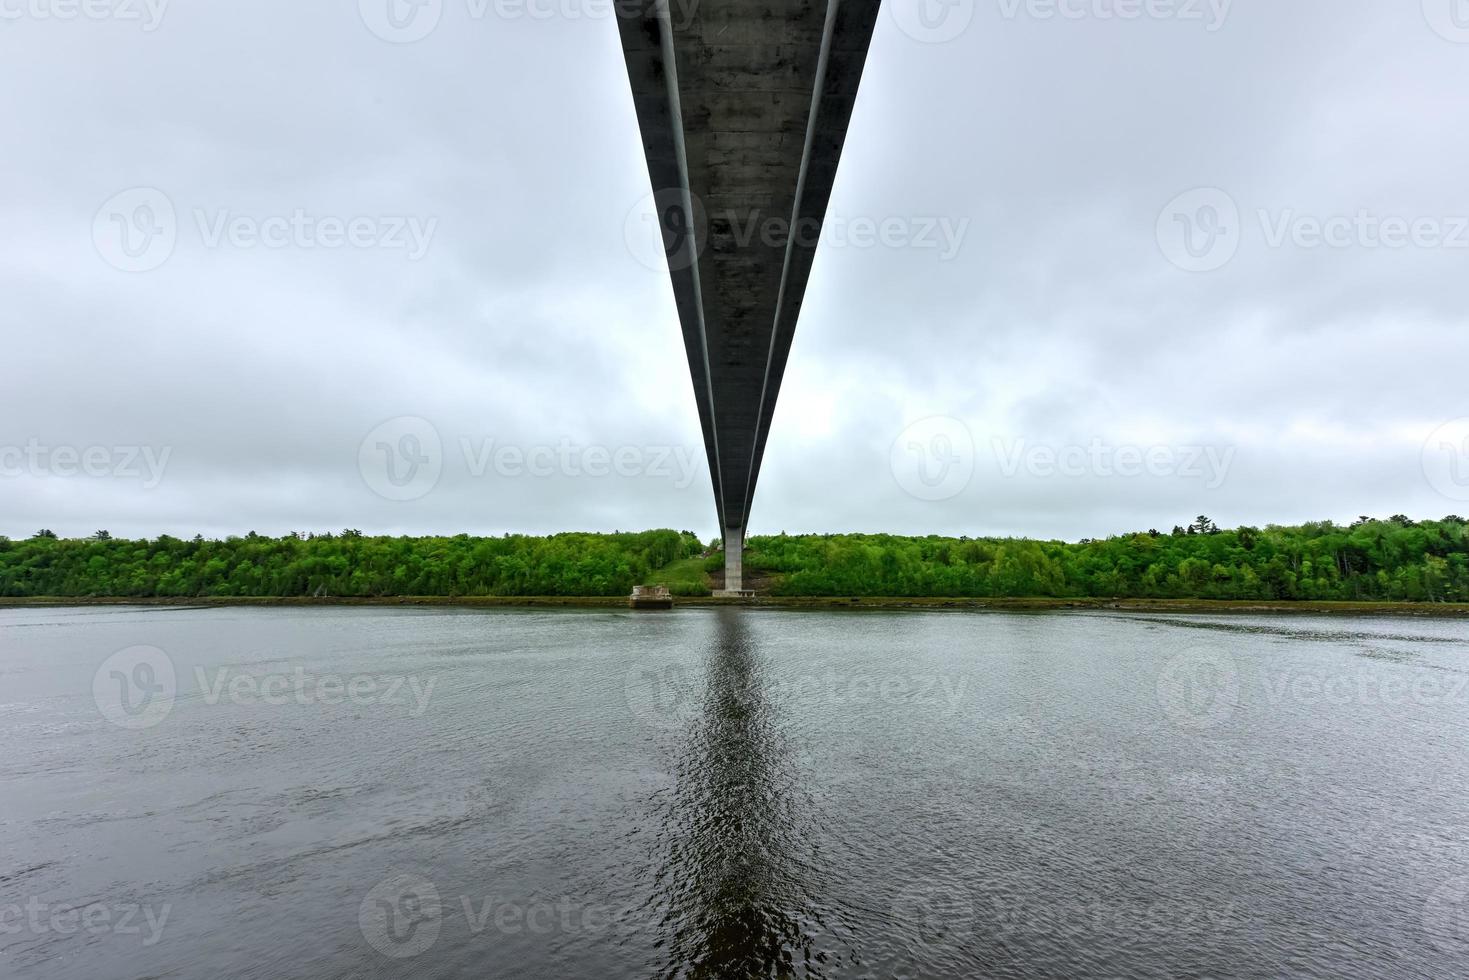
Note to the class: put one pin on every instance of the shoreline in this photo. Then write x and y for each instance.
(1194, 606)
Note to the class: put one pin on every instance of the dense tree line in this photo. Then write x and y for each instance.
(345, 564)
(1394, 559)
(1390, 560)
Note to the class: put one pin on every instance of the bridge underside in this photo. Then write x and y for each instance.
(743, 107)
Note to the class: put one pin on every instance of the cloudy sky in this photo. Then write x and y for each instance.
(267, 266)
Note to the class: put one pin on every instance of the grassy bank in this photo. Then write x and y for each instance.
(1039, 604)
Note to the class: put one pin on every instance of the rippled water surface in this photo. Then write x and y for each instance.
(730, 793)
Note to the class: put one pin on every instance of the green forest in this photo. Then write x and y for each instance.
(1396, 559)
(348, 563)
(1372, 560)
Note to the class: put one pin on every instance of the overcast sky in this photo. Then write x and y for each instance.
(200, 335)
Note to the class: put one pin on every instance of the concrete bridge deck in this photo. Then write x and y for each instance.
(743, 107)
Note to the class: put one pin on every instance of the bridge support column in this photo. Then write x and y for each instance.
(734, 559)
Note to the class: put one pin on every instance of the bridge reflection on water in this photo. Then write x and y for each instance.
(741, 876)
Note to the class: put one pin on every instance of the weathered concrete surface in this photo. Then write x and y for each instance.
(743, 107)
(734, 559)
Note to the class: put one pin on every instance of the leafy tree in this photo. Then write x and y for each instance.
(1378, 560)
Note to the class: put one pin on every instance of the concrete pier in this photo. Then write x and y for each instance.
(734, 563)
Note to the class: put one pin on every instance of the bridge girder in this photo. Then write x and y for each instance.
(743, 107)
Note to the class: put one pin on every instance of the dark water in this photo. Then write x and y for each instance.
(376, 792)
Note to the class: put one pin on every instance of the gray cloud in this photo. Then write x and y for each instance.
(528, 321)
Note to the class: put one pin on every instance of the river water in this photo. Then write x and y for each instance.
(730, 793)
